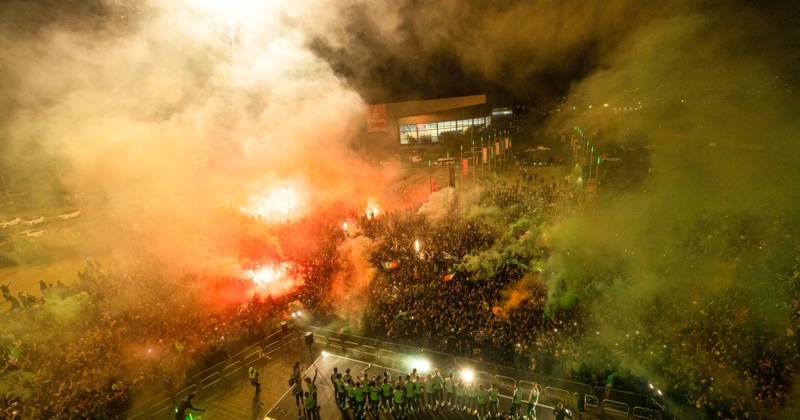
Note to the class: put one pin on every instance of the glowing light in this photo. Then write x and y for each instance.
(345, 226)
(417, 245)
(372, 211)
(420, 364)
(659, 392)
(272, 279)
(266, 275)
(467, 375)
(325, 353)
(277, 204)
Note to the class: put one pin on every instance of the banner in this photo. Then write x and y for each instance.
(376, 119)
(485, 152)
(465, 167)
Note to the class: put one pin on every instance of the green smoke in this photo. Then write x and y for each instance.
(687, 274)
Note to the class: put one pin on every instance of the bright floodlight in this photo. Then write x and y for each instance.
(299, 313)
(324, 353)
(420, 364)
(467, 375)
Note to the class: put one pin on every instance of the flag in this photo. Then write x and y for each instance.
(498, 311)
(448, 277)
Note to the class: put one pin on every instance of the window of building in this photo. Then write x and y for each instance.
(408, 133)
(430, 132)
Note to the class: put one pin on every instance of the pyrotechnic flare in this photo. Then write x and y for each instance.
(273, 280)
(372, 209)
(277, 204)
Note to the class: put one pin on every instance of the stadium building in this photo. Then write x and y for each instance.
(392, 126)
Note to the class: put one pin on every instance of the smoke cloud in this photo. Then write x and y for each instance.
(170, 118)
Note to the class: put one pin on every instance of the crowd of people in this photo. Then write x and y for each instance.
(84, 350)
(438, 298)
(465, 280)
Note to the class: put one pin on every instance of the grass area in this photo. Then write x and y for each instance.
(26, 278)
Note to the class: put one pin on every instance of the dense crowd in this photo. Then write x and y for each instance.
(82, 350)
(452, 295)
(466, 279)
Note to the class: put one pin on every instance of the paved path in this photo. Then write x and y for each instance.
(285, 408)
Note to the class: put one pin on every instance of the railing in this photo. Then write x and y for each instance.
(571, 393)
(230, 374)
(226, 375)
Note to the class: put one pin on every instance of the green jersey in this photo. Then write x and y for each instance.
(449, 385)
(429, 386)
(359, 391)
(483, 396)
(460, 390)
(340, 385)
(374, 393)
(517, 398)
(399, 396)
(309, 403)
(437, 382)
(351, 390)
(387, 390)
(420, 387)
(471, 391)
(409, 389)
(493, 394)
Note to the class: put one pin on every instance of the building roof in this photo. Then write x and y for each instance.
(430, 106)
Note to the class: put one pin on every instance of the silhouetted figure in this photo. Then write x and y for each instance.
(184, 407)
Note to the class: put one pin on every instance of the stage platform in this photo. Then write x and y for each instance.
(286, 409)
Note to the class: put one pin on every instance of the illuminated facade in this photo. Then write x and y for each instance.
(400, 124)
(430, 132)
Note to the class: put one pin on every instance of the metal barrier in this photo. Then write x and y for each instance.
(590, 401)
(232, 374)
(209, 384)
(386, 357)
(615, 408)
(484, 377)
(160, 406)
(505, 384)
(646, 413)
(484, 371)
(164, 413)
(553, 394)
(252, 358)
(138, 416)
(630, 398)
